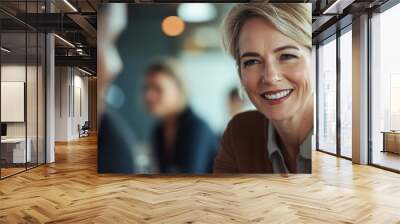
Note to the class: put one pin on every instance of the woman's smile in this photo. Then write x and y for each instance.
(276, 97)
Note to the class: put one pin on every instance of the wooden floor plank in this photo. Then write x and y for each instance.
(70, 191)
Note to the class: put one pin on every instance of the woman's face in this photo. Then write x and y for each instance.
(162, 95)
(275, 70)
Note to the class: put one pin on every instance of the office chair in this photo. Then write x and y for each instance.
(84, 130)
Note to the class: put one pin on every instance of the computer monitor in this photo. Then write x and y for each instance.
(3, 129)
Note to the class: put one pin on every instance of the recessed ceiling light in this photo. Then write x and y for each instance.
(337, 7)
(5, 50)
(65, 41)
(70, 5)
(84, 71)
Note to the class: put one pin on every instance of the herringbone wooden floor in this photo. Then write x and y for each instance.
(70, 191)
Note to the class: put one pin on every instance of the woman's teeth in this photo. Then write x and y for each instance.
(276, 95)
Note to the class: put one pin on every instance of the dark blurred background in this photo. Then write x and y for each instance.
(209, 72)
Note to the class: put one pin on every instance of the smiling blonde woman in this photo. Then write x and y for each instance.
(271, 44)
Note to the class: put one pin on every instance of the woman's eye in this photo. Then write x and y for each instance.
(285, 57)
(251, 62)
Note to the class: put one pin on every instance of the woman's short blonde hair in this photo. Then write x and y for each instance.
(291, 19)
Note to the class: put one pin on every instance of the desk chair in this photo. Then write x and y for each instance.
(84, 130)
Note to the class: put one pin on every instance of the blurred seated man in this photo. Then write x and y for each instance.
(183, 142)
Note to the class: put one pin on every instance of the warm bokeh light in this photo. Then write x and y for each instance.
(172, 26)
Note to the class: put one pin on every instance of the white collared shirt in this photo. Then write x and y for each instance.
(303, 159)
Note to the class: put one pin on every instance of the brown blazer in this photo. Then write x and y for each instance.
(243, 148)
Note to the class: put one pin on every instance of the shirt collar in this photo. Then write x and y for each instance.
(305, 147)
(272, 145)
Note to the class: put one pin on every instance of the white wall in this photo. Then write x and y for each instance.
(79, 117)
(16, 73)
(11, 73)
(70, 84)
(12, 101)
(61, 103)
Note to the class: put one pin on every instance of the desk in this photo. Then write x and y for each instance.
(391, 141)
(15, 148)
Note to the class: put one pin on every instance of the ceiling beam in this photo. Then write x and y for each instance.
(83, 61)
(84, 24)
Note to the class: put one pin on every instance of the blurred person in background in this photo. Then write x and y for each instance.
(235, 102)
(271, 44)
(116, 140)
(182, 141)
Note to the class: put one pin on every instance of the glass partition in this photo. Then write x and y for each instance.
(22, 91)
(13, 105)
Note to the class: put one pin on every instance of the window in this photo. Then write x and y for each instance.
(327, 96)
(346, 93)
(385, 89)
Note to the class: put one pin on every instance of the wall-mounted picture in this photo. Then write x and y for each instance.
(204, 88)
